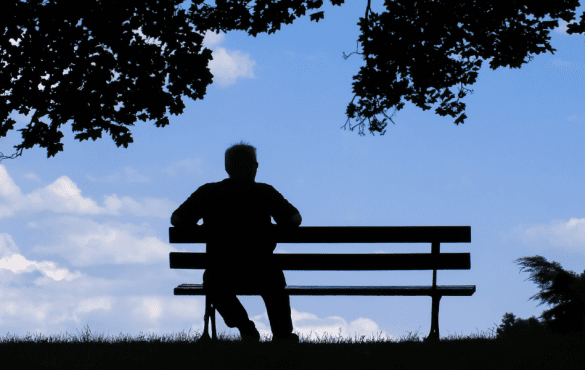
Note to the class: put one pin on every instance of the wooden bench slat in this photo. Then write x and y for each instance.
(330, 234)
(446, 290)
(340, 262)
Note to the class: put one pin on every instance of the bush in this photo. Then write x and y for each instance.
(522, 330)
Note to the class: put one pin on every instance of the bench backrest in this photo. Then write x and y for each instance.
(331, 234)
(336, 234)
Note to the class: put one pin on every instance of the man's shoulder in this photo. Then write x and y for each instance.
(264, 185)
(226, 184)
(255, 184)
(208, 188)
(267, 189)
(215, 184)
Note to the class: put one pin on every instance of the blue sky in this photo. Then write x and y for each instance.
(84, 235)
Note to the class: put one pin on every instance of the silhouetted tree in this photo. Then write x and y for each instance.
(564, 289)
(77, 48)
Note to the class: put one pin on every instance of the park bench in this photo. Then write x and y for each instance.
(340, 262)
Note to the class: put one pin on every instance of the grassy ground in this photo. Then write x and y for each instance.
(476, 351)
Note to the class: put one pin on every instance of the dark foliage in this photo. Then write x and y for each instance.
(406, 44)
(93, 41)
(409, 43)
(565, 290)
(522, 330)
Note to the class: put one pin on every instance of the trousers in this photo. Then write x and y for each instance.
(222, 284)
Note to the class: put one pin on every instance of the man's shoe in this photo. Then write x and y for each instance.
(292, 338)
(251, 338)
(250, 334)
(204, 339)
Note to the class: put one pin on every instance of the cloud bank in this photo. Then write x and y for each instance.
(63, 196)
(561, 234)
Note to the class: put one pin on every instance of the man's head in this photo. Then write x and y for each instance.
(240, 162)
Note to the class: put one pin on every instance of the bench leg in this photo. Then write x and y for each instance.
(209, 311)
(213, 333)
(205, 335)
(434, 333)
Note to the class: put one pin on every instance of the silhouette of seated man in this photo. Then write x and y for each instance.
(234, 205)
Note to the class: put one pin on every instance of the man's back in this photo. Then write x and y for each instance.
(234, 206)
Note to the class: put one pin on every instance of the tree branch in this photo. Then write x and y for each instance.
(17, 154)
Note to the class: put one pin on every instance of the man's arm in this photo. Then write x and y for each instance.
(191, 211)
(175, 220)
(280, 209)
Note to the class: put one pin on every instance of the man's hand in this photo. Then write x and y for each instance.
(175, 220)
(297, 219)
(294, 221)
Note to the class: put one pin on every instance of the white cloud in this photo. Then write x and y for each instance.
(7, 246)
(226, 66)
(153, 313)
(311, 327)
(149, 308)
(558, 234)
(13, 261)
(562, 28)
(85, 242)
(149, 207)
(63, 196)
(89, 305)
(29, 311)
(94, 303)
(211, 39)
(186, 165)
(8, 188)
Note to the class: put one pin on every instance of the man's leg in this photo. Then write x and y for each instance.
(278, 305)
(228, 306)
(279, 313)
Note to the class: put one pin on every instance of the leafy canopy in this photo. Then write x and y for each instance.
(410, 53)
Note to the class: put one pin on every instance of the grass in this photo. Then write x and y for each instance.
(475, 351)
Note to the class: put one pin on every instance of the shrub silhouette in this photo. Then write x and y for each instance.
(564, 290)
(519, 330)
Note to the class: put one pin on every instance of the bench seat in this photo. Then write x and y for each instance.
(444, 290)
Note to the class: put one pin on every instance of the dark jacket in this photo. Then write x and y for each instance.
(234, 206)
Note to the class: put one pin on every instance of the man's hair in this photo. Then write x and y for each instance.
(238, 153)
